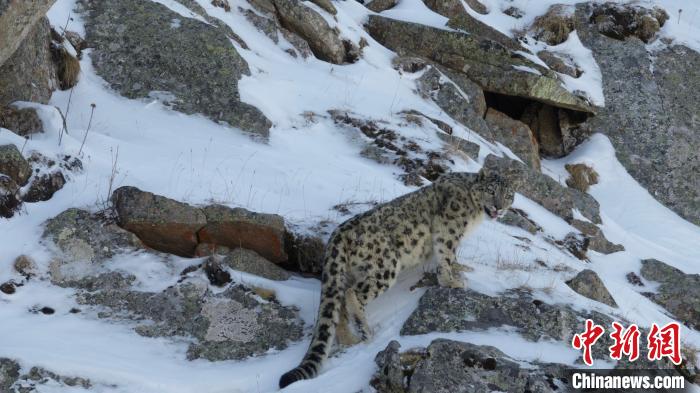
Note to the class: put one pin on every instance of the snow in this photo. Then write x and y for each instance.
(308, 166)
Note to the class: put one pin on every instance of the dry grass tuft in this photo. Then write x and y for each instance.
(554, 26)
(582, 176)
(267, 294)
(221, 4)
(67, 68)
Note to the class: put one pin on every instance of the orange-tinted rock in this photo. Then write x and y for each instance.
(233, 228)
(161, 223)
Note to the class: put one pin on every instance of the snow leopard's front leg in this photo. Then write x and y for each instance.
(444, 248)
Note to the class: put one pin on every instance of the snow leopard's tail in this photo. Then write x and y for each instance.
(332, 290)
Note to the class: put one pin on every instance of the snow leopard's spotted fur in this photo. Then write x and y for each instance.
(366, 253)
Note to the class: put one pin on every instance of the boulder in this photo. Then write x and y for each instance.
(381, 5)
(324, 41)
(620, 21)
(587, 283)
(10, 199)
(29, 74)
(17, 20)
(238, 227)
(515, 135)
(232, 324)
(81, 240)
(455, 366)
(491, 65)
(23, 122)
(650, 113)
(144, 48)
(161, 223)
(545, 190)
(679, 293)
(13, 164)
(266, 21)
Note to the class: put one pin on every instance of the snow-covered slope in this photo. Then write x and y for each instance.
(309, 165)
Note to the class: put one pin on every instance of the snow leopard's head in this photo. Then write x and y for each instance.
(497, 193)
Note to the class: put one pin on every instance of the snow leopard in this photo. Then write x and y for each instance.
(365, 254)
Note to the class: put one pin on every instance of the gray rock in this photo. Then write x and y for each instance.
(324, 41)
(679, 293)
(587, 283)
(450, 8)
(23, 122)
(41, 376)
(9, 373)
(559, 63)
(471, 149)
(161, 223)
(518, 218)
(460, 19)
(29, 74)
(83, 237)
(17, 19)
(596, 239)
(488, 63)
(233, 324)
(44, 186)
(266, 21)
(13, 164)
(516, 136)
(448, 309)
(458, 96)
(249, 261)
(305, 253)
(448, 366)
(390, 376)
(545, 190)
(139, 49)
(576, 244)
(10, 200)
(650, 113)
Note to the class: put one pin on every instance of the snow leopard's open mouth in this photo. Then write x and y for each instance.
(491, 212)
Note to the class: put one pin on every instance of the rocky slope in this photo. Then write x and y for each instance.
(171, 169)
